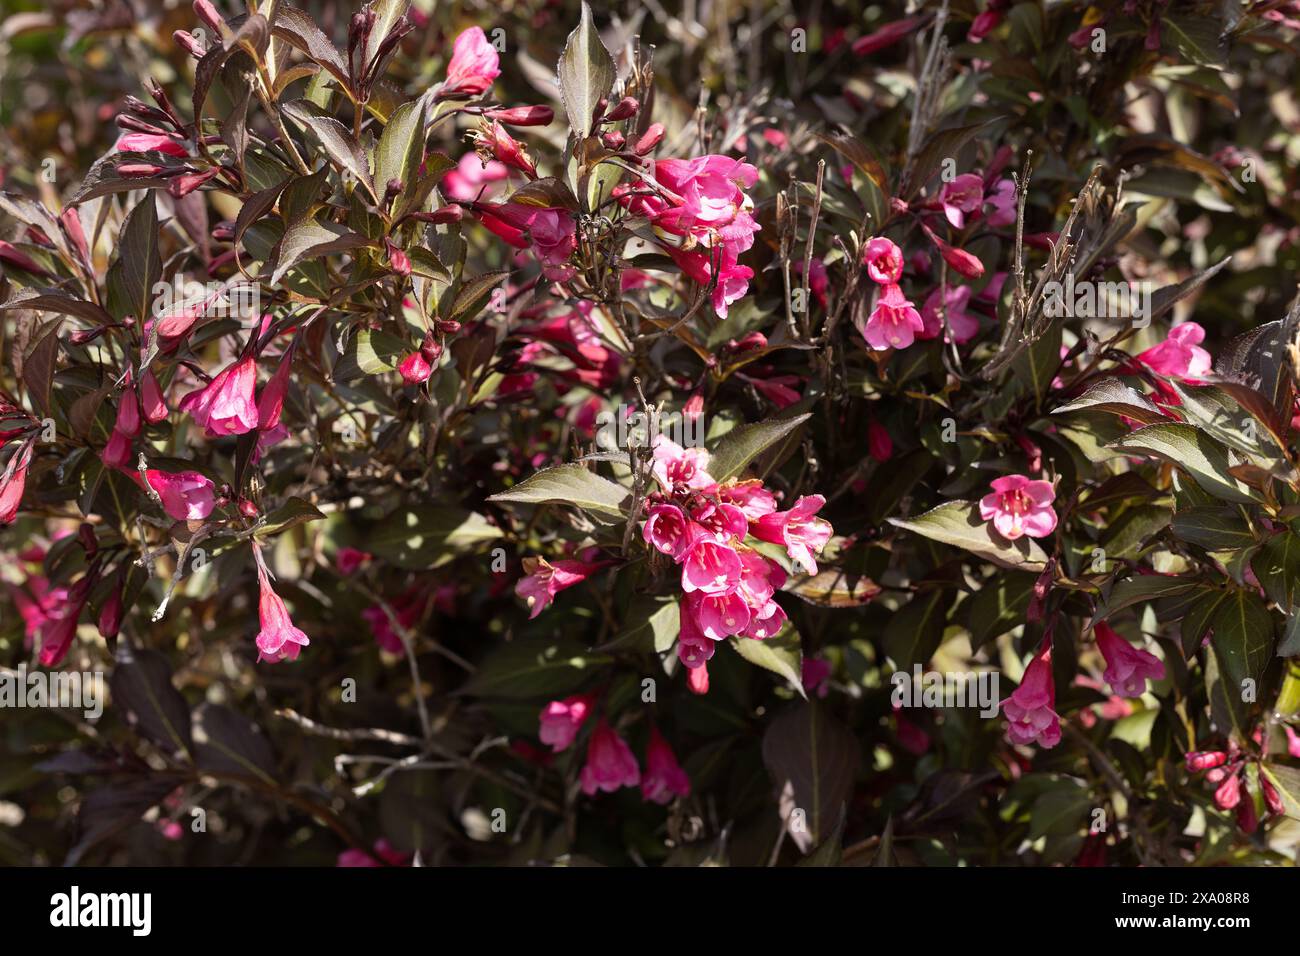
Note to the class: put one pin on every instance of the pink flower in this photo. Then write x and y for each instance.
(664, 777)
(561, 720)
(118, 450)
(667, 530)
(407, 609)
(152, 404)
(1020, 506)
(693, 649)
(543, 580)
(384, 853)
(415, 368)
(278, 639)
(733, 278)
(37, 603)
(226, 406)
(962, 325)
(474, 65)
(150, 143)
(1292, 741)
(11, 491)
(549, 231)
(186, 495)
(879, 444)
(350, 560)
(720, 615)
(1030, 716)
(492, 140)
(60, 626)
(675, 465)
(697, 679)
(883, 259)
(961, 197)
(710, 567)
(473, 179)
(816, 675)
(1002, 203)
(959, 260)
(1127, 668)
(610, 764)
(710, 205)
(271, 402)
(750, 497)
(799, 530)
(1180, 354)
(894, 322)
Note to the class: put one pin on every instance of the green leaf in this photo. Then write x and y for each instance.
(335, 139)
(427, 536)
(1196, 622)
(1037, 365)
(999, 607)
(782, 655)
(915, 632)
(570, 484)
(370, 352)
(1215, 528)
(139, 261)
(1277, 566)
(1112, 395)
(297, 28)
(1287, 782)
(471, 293)
(812, 758)
(585, 74)
(1196, 453)
(832, 587)
(652, 623)
(39, 365)
(293, 512)
(401, 147)
(959, 523)
(1139, 590)
(527, 668)
(1242, 644)
(308, 239)
(142, 685)
(738, 447)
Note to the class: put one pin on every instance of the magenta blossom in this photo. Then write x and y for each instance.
(610, 764)
(474, 65)
(883, 259)
(801, 532)
(384, 853)
(962, 325)
(664, 777)
(667, 529)
(961, 197)
(710, 206)
(226, 405)
(894, 322)
(185, 495)
(1127, 667)
(1020, 506)
(1030, 714)
(677, 466)
(1180, 354)
(561, 720)
(473, 179)
(543, 580)
(278, 639)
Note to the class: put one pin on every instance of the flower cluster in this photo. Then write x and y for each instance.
(709, 530)
(610, 764)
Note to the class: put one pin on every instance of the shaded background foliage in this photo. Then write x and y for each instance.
(1169, 124)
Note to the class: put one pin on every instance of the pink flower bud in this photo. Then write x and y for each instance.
(415, 368)
(627, 108)
(522, 115)
(649, 139)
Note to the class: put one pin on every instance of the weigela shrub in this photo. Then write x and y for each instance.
(873, 438)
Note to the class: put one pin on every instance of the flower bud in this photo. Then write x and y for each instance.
(649, 139)
(627, 108)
